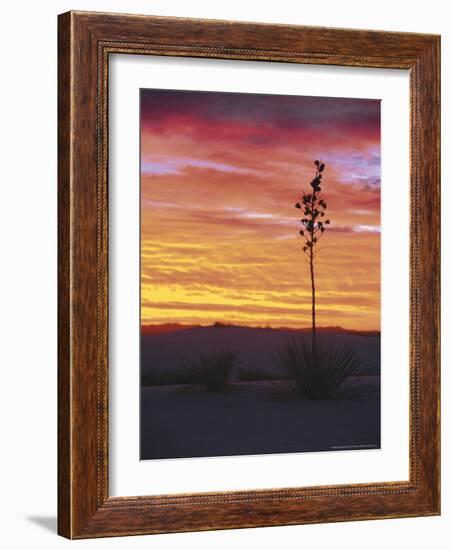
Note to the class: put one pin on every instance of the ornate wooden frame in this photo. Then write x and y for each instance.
(85, 508)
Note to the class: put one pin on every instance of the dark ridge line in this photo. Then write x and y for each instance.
(167, 328)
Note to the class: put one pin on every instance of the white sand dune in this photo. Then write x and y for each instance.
(256, 416)
(252, 418)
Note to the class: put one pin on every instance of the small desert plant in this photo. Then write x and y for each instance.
(213, 369)
(316, 375)
(160, 377)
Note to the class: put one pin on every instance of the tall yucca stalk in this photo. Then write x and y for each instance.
(313, 225)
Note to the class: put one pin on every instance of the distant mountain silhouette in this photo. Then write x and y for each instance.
(163, 329)
(177, 327)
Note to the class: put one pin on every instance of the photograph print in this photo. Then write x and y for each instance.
(260, 274)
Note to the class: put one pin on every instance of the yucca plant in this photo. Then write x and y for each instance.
(316, 375)
(213, 369)
(313, 225)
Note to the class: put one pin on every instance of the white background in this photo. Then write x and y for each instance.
(128, 476)
(28, 272)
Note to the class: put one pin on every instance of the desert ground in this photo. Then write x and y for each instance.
(258, 412)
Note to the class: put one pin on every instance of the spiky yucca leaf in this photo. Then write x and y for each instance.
(213, 369)
(316, 377)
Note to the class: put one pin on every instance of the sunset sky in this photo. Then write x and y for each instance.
(220, 174)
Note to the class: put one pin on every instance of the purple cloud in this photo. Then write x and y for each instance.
(163, 166)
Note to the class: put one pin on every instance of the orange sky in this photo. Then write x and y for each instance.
(220, 174)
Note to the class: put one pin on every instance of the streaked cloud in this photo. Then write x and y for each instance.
(161, 166)
(367, 228)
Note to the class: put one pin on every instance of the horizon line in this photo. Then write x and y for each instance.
(219, 324)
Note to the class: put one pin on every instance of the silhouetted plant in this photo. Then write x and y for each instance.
(313, 225)
(163, 377)
(213, 370)
(316, 376)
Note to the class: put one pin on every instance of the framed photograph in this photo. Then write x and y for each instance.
(248, 275)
